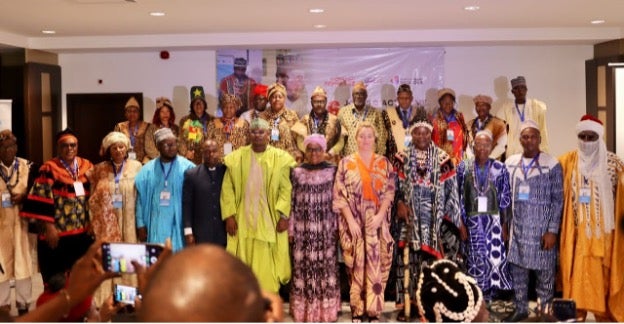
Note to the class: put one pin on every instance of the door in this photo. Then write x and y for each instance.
(93, 115)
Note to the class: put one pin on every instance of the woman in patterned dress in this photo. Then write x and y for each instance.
(112, 201)
(363, 193)
(281, 119)
(135, 128)
(449, 127)
(313, 232)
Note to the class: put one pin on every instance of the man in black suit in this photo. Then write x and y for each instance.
(201, 210)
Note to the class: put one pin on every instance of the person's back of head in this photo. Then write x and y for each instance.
(203, 283)
(445, 294)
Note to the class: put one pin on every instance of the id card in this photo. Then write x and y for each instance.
(227, 148)
(584, 195)
(407, 140)
(6, 200)
(117, 201)
(275, 134)
(523, 192)
(79, 189)
(482, 203)
(132, 155)
(450, 135)
(165, 197)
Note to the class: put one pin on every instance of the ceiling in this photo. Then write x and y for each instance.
(125, 24)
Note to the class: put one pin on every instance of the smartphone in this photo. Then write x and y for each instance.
(124, 294)
(118, 257)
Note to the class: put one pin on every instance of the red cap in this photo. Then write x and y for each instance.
(592, 118)
(260, 89)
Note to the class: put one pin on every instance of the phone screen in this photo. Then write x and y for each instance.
(124, 294)
(118, 257)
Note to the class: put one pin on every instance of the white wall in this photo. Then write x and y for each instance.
(555, 75)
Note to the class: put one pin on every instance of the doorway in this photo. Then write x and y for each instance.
(93, 115)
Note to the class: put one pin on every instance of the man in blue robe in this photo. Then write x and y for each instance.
(159, 193)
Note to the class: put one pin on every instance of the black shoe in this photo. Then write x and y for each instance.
(516, 316)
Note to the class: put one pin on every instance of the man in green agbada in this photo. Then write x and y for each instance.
(255, 205)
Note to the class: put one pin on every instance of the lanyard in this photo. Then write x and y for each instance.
(73, 171)
(276, 122)
(526, 169)
(117, 173)
(162, 167)
(481, 125)
(228, 127)
(133, 135)
(7, 178)
(482, 176)
(521, 114)
(405, 115)
(450, 117)
(356, 114)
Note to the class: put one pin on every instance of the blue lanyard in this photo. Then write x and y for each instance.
(521, 114)
(482, 176)
(355, 114)
(7, 178)
(72, 171)
(481, 125)
(450, 117)
(117, 173)
(526, 169)
(405, 116)
(133, 135)
(162, 167)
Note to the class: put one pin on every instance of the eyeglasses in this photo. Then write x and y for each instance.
(68, 145)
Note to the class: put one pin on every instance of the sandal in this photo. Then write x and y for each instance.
(373, 319)
(356, 319)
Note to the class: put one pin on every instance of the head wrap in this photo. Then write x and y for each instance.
(485, 132)
(65, 134)
(592, 163)
(163, 134)
(259, 123)
(275, 88)
(163, 102)
(240, 62)
(260, 89)
(7, 135)
(359, 86)
(132, 103)
(519, 81)
(421, 120)
(529, 124)
(482, 98)
(446, 91)
(230, 98)
(315, 139)
(112, 138)
(319, 91)
(445, 294)
(590, 123)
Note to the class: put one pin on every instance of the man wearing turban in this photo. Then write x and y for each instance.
(592, 240)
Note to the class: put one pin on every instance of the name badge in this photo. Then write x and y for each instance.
(79, 189)
(132, 155)
(450, 135)
(407, 141)
(523, 192)
(117, 201)
(6, 200)
(227, 148)
(275, 134)
(585, 195)
(165, 197)
(482, 203)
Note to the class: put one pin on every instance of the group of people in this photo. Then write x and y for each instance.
(397, 194)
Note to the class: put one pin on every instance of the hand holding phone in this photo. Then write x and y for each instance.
(118, 257)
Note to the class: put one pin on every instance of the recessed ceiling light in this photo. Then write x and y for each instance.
(471, 8)
(157, 14)
(316, 10)
(598, 21)
(320, 26)
(49, 32)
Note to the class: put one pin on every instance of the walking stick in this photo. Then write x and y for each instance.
(406, 272)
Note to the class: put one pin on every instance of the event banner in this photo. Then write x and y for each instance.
(337, 70)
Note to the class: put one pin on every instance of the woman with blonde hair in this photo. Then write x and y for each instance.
(363, 193)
